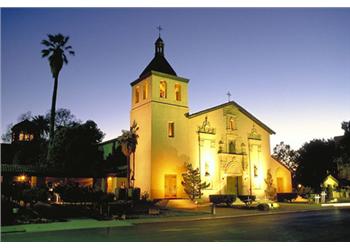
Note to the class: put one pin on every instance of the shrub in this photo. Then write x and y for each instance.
(305, 192)
(222, 198)
(282, 197)
(247, 199)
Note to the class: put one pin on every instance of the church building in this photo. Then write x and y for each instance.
(229, 145)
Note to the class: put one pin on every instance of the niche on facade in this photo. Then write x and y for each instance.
(207, 151)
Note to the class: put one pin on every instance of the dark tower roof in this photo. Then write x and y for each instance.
(159, 63)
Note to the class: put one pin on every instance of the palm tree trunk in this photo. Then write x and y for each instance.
(128, 171)
(53, 110)
(133, 169)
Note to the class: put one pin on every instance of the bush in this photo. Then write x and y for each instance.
(136, 194)
(76, 193)
(128, 194)
(222, 198)
(282, 197)
(305, 192)
(7, 216)
(35, 194)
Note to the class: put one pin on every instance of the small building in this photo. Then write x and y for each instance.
(19, 163)
(330, 181)
(25, 131)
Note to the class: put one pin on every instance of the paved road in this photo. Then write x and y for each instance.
(329, 225)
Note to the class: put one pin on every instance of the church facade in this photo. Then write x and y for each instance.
(229, 145)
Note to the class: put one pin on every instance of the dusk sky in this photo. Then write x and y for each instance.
(288, 67)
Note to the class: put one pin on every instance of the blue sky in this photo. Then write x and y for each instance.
(288, 67)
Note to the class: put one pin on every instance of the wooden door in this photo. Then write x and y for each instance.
(170, 186)
(230, 185)
(234, 185)
(280, 185)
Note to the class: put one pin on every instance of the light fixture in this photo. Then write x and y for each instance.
(22, 178)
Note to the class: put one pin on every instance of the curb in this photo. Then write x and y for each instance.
(213, 217)
(183, 219)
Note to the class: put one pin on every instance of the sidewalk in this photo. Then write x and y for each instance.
(172, 215)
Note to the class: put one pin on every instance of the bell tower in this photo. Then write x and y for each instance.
(159, 104)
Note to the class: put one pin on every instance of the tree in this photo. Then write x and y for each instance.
(343, 147)
(63, 118)
(270, 190)
(315, 161)
(286, 155)
(192, 182)
(75, 149)
(56, 46)
(25, 116)
(128, 142)
(42, 123)
(7, 136)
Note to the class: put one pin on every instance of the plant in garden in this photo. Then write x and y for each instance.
(270, 190)
(128, 142)
(192, 182)
(304, 192)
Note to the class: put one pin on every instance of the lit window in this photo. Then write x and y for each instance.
(162, 89)
(145, 91)
(178, 92)
(137, 94)
(21, 136)
(26, 137)
(171, 129)
(31, 137)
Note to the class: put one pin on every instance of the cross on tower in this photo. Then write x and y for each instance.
(228, 96)
(159, 28)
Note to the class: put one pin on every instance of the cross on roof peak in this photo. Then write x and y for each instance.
(159, 28)
(228, 96)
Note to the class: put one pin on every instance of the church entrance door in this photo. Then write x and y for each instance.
(170, 186)
(280, 185)
(234, 185)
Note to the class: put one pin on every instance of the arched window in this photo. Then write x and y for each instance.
(162, 89)
(178, 92)
(145, 91)
(137, 94)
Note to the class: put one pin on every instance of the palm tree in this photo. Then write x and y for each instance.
(42, 124)
(128, 142)
(56, 46)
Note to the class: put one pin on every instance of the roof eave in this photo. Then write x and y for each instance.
(157, 73)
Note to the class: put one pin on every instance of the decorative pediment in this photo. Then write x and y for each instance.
(254, 134)
(206, 128)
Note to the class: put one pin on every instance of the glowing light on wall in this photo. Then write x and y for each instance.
(207, 162)
(22, 178)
